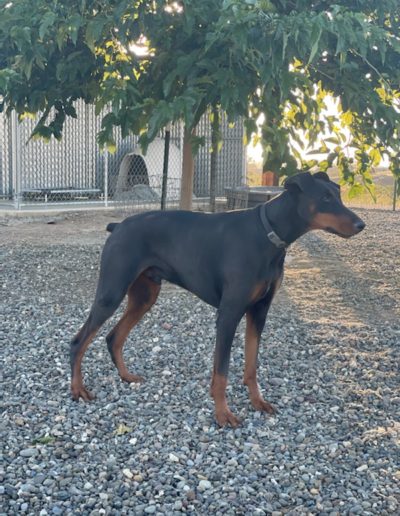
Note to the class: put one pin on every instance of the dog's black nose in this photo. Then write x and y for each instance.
(359, 225)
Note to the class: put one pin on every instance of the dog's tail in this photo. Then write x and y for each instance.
(111, 226)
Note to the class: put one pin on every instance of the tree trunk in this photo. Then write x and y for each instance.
(214, 157)
(187, 172)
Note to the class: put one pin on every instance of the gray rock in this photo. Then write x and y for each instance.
(300, 437)
(178, 505)
(29, 452)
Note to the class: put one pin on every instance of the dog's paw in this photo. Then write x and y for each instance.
(226, 417)
(263, 406)
(132, 378)
(81, 392)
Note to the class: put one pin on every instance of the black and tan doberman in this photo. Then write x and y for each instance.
(232, 261)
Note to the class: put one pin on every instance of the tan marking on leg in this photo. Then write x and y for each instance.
(250, 368)
(142, 295)
(259, 291)
(78, 390)
(223, 414)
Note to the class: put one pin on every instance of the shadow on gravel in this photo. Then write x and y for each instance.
(360, 295)
(349, 350)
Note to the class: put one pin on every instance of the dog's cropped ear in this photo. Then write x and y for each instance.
(323, 176)
(302, 182)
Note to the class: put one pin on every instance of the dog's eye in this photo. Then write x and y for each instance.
(327, 197)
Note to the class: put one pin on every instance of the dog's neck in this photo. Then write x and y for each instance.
(284, 218)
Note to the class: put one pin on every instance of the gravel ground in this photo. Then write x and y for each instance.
(329, 363)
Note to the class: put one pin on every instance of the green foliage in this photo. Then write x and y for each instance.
(45, 439)
(280, 58)
(349, 51)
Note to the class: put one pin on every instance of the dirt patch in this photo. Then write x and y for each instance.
(77, 228)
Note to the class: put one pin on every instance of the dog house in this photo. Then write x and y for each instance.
(138, 169)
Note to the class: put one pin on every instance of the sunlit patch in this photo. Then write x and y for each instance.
(380, 433)
(174, 7)
(141, 47)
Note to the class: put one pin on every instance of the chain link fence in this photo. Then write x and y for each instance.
(74, 172)
(6, 162)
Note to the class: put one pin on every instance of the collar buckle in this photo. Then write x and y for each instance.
(280, 244)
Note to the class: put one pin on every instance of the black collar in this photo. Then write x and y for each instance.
(274, 238)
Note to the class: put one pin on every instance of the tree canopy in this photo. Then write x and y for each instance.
(279, 58)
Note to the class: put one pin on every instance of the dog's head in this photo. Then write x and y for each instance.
(320, 205)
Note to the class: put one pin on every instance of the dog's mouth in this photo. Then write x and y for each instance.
(335, 232)
(349, 234)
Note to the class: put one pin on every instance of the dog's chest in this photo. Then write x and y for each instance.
(268, 284)
(260, 291)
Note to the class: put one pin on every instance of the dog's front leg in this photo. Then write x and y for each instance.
(255, 321)
(227, 322)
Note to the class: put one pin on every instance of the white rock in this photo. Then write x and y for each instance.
(127, 473)
(204, 485)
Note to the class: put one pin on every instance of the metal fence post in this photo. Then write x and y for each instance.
(106, 178)
(167, 138)
(15, 162)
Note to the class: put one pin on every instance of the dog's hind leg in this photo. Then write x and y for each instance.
(78, 348)
(111, 290)
(142, 294)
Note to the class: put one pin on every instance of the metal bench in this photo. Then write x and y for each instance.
(59, 193)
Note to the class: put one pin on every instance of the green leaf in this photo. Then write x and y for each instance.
(347, 118)
(111, 147)
(28, 68)
(196, 143)
(315, 37)
(168, 82)
(375, 156)
(70, 111)
(355, 190)
(93, 32)
(284, 45)
(332, 139)
(45, 439)
(61, 37)
(323, 165)
(74, 24)
(47, 21)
